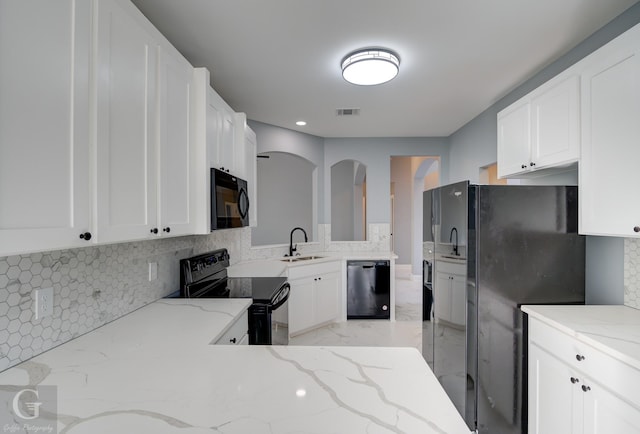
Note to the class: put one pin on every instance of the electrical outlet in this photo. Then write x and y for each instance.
(43, 302)
(153, 271)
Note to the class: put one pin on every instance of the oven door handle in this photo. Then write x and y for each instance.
(283, 296)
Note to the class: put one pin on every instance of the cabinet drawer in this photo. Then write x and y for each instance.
(237, 333)
(451, 268)
(615, 375)
(299, 271)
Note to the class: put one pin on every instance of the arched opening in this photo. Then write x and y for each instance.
(286, 185)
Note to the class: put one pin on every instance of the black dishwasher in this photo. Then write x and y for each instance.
(368, 289)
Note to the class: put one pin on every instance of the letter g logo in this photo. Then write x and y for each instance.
(32, 406)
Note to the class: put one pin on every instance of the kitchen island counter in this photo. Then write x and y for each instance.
(154, 371)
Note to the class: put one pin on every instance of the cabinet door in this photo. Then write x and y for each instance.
(240, 145)
(458, 300)
(214, 127)
(175, 146)
(514, 139)
(605, 413)
(610, 135)
(327, 297)
(442, 297)
(301, 305)
(555, 402)
(126, 125)
(251, 167)
(556, 124)
(227, 141)
(44, 136)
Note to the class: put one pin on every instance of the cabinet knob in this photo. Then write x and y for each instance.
(636, 229)
(85, 236)
(579, 357)
(154, 231)
(574, 380)
(524, 166)
(532, 164)
(585, 388)
(222, 168)
(167, 229)
(233, 341)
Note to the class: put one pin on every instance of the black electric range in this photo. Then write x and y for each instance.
(205, 276)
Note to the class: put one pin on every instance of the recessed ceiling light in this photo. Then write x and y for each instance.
(301, 123)
(370, 66)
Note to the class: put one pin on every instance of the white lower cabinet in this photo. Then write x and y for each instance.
(576, 389)
(237, 334)
(449, 298)
(314, 298)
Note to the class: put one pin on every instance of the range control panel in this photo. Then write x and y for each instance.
(203, 266)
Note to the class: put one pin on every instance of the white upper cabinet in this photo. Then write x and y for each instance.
(221, 133)
(555, 132)
(126, 169)
(542, 129)
(514, 139)
(44, 125)
(144, 145)
(609, 174)
(175, 176)
(251, 172)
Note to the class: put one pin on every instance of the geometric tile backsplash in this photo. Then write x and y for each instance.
(92, 286)
(632, 272)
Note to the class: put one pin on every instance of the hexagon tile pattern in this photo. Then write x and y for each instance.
(92, 286)
(632, 272)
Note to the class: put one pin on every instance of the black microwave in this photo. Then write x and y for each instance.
(229, 201)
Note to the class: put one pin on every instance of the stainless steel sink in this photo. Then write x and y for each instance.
(301, 258)
(457, 258)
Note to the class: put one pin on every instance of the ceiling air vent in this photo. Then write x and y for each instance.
(348, 112)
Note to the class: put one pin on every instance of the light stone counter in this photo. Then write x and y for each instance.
(614, 330)
(153, 371)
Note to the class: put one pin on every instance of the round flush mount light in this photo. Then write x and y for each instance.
(370, 66)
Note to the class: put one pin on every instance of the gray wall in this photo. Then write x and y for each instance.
(376, 154)
(285, 198)
(271, 138)
(342, 201)
(475, 145)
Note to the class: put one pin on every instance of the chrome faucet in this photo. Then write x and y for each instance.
(291, 247)
(455, 246)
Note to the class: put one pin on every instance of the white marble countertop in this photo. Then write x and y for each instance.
(148, 373)
(614, 330)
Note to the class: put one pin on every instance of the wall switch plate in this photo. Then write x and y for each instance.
(43, 302)
(153, 271)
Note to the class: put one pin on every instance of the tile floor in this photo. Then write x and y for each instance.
(405, 332)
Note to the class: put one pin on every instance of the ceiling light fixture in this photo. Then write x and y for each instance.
(301, 123)
(370, 66)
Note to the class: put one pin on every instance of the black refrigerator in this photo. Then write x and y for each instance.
(494, 249)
